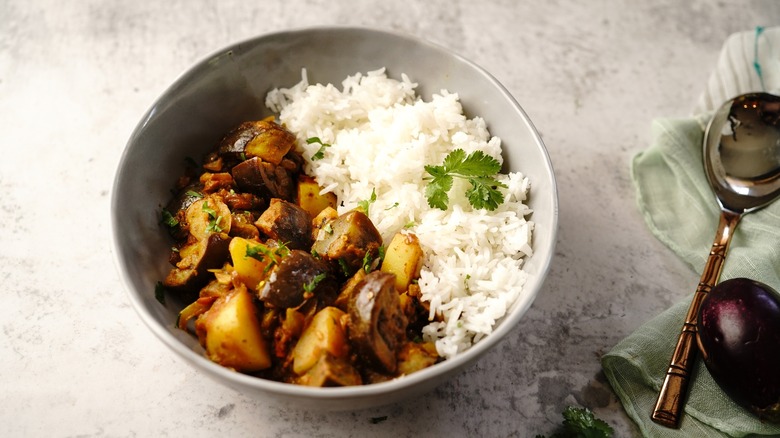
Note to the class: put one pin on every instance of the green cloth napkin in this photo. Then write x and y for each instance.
(681, 211)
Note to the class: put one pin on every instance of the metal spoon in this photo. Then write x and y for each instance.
(742, 162)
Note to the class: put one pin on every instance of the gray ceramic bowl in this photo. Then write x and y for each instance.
(229, 87)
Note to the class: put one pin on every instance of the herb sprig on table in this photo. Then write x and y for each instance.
(581, 423)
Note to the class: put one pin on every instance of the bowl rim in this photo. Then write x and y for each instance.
(507, 323)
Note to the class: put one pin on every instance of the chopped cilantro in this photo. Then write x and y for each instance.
(392, 206)
(320, 154)
(213, 226)
(208, 210)
(410, 224)
(168, 219)
(310, 286)
(344, 267)
(194, 194)
(365, 204)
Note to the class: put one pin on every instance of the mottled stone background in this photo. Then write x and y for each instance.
(76, 76)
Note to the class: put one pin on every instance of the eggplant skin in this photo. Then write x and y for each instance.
(377, 324)
(738, 334)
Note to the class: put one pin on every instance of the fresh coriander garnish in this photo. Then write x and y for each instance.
(194, 194)
(320, 154)
(213, 226)
(208, 210)
(367, 262)
(580, 422)
(168, 219)
(261, 252)
(478, 168)
(410, 224)
(392, 206)
(366, 204)
(344, 267)
(310, 286)
(214, 220)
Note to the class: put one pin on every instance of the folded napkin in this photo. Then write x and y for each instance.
(680, 210)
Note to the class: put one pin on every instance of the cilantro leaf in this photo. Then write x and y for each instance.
(168, 219)
(310, 286)
(436, 191)
(213, 226)
(365, 204)
(208, 210)
(484, 193)
(320, 154)
(194, 194)
(581, 423)
(478, 168)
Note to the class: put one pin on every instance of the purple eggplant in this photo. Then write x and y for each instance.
(738, 334)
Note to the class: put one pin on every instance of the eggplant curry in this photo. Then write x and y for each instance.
(281, 286)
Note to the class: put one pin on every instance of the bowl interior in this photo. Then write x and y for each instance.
(229, 87)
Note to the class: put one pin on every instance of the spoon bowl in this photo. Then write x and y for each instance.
(742, 152)
(741, 155)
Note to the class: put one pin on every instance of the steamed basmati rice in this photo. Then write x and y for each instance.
(382, 135)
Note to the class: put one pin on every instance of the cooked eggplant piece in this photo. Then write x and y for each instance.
(208, 216)
(294, 278)
(331, 371)
(191, 272)
(261, 138)
(230, 332)
(213, 182)
(377, 324)
(246, 202)
(286, 222)
(348, 242)
(177, 208)
(243, 226)
(265, 179)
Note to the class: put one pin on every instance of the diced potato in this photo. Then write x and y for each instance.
(404, 258)
(331, 371)
(325, 334)
(230, 332)
(414, 357)
(249, 270)
(310, 199)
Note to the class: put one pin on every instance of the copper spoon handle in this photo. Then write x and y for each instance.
(668, 408)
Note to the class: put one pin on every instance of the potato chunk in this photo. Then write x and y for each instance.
(404, 258)
(230, 332)
(250, 270)
(324, 335)
(310, 199)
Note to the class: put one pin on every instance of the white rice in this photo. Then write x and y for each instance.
(382, 135)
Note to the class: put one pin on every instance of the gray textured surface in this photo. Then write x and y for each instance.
(75, 77)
